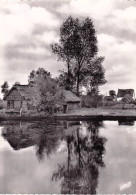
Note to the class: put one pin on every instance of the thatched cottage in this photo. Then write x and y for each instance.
(23, 97)
(122, 92)
(26, 97)
(71, 101)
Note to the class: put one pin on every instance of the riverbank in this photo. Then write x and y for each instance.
(26, 118)
(99, 114)
(82, 113)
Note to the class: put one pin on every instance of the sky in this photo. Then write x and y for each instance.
(29, 27)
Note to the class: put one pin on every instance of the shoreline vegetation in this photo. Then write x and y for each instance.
(82, 113)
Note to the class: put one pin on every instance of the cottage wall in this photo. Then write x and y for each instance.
(73, 105)
(24, 105)
(14, 100)
(17, 104)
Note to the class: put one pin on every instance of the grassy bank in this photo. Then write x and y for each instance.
(25, 118)
(82, 113)
(99, 114)
(100, 111)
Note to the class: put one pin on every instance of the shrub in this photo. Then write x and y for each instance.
(92, 101)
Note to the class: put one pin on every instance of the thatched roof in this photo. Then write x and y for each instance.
(127, 99)
(123, 92)
(26, 91)
(69, 96)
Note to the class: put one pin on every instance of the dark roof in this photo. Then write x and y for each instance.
(26, 91)
(69, 96)
(123, 92)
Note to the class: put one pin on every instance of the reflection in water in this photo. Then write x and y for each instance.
(85, 149)
(126, 122)
(45, 136)
(20, 135)
(80, 172)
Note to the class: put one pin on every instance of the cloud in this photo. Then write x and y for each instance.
(125, 19)
(22, 19)
(22, 52)
(96, 9)
(48, 37)
(119, 61)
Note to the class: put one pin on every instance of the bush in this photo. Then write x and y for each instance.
(92, 101)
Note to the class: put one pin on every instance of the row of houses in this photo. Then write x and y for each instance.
(123, 96)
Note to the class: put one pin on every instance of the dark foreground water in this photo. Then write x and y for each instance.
(82, 157)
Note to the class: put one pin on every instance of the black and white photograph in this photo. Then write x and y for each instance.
(67, 97)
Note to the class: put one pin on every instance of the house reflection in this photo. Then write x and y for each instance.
(40, 134)
(126, 122)
(19, 135)
(80, 173)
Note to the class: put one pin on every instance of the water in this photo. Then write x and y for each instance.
(82, 157)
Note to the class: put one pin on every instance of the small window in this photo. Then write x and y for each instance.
(10, 104)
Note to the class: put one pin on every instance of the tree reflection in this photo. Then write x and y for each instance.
(85, 150)
(49, 140)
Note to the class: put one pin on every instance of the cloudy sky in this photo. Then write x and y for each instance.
(28, 27)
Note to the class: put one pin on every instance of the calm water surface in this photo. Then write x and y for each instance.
(82, 157)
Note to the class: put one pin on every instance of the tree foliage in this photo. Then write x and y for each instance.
(5, 88)
(49, 97)
(47, 89)
(94, 75)
(16, 83)
(39, 72)
(78, 49)
(66, 81)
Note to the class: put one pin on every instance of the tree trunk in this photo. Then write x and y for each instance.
(79, 150)
(77, 88)
(68, 80)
